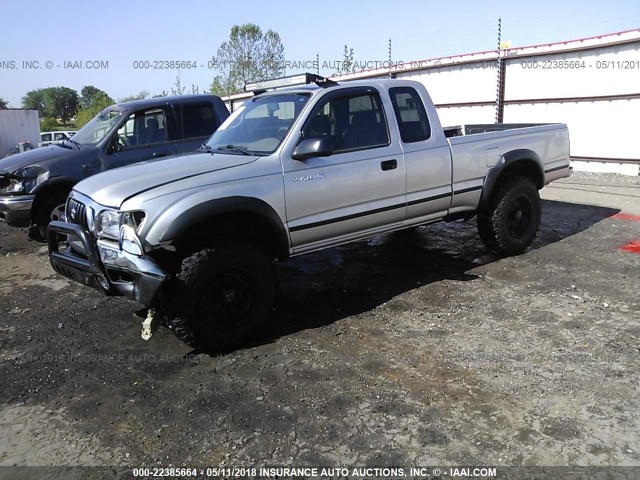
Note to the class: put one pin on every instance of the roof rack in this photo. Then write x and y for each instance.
(291, 80)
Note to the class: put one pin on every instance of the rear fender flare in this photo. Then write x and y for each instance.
(520, 158)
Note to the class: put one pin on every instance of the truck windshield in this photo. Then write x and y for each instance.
(259, 125)
(98, 127)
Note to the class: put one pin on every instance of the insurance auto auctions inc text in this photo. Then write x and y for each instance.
(375, 472)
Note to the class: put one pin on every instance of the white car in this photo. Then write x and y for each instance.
(51, 138)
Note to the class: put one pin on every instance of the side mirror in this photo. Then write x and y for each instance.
(313, 147)
(114, 145)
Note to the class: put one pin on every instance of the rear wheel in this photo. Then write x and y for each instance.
(511, 221)
(224, 295)
(485, 232)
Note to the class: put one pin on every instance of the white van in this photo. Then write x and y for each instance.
(51, 138)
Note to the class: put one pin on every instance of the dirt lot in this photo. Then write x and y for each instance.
(418, 348)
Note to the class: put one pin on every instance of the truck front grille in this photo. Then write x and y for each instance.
(76, 212)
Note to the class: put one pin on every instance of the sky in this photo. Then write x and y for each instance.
(42, 41)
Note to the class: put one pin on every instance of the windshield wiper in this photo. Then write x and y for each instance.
(236, 148)
(205, 148)
(63, 143)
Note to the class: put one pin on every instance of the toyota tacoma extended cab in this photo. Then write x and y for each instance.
(292, 171)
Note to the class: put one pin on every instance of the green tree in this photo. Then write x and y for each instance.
(3, 104)
(249, 55)
(347, 65)
(179, 89)
(47, 124)
(54, 102)
(139, 96)
(220, 87)
(99, 102)
(90, 94)
(61, 102)
(34, 100)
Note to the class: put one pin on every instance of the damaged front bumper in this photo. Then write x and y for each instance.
(102, 265)
(16, 210)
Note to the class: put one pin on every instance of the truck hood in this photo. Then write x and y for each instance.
(113, 187)
(37, 156)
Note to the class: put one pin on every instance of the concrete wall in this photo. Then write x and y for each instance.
(18, 126)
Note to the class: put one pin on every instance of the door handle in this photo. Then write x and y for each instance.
(159, 154)
(91, 165)
(389, 165)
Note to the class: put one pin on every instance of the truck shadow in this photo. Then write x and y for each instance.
(318, 289)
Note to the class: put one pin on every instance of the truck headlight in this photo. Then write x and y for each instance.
(11, 185)
(108, 224)
(129, 241)
(23, 179)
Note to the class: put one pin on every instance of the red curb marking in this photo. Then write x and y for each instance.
(633, 247)
(626, 216)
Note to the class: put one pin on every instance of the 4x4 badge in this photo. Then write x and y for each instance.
(306, 178)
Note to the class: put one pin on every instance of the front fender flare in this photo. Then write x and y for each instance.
(166, 231)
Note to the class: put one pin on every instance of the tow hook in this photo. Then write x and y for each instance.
(149, 324)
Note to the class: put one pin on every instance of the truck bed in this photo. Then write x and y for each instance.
(476, 148)
(475, 128)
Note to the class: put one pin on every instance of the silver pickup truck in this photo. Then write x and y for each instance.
(292, 171)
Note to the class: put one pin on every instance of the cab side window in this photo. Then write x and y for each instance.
(153, 127)
(145, 127)
(353, 122)
(410, 114)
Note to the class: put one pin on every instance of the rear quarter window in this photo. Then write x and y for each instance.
(198, 120)
(410, 114)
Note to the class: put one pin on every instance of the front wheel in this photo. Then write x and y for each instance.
(510, 222)
(51, 208)
(224, 295)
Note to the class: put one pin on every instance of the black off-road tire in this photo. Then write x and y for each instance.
(223, 295)
(48, 210)
(510, 222)
(485, 231)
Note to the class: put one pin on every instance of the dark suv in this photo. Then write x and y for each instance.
(34, 185)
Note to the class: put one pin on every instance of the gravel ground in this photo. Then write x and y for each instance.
(601, 180)
(605, 190)
(417, 348)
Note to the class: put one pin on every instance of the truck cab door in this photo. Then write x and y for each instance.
(356, 189)
(147, 134)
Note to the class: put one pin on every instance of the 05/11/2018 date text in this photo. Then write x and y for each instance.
(580, 65)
